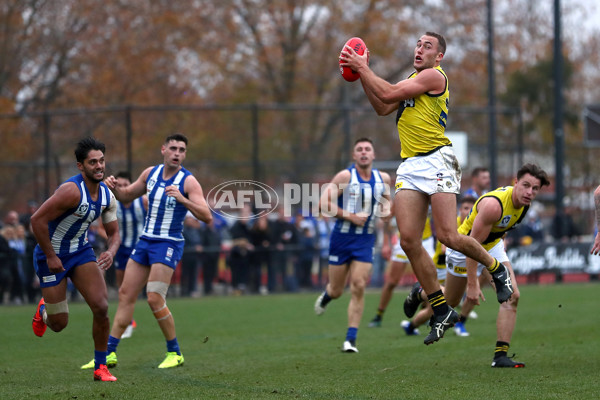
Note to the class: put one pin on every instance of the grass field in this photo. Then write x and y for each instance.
(274, 347)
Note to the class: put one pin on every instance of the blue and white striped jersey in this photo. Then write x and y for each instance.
(131, 221)
(360, 196)
(165, 216)
(68, 233)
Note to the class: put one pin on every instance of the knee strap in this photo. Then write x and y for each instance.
(161, 288)
(57, 308)
(158, 287)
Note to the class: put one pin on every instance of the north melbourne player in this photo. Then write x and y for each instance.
(60, 226)
(355, 197)
(172, 191)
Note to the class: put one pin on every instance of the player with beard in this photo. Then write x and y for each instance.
(60, 226)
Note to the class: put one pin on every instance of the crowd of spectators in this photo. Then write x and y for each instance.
(262, 254)
(18, 282)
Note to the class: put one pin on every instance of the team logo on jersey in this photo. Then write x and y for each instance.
(505, 221)
(82, 209)
(151, 184)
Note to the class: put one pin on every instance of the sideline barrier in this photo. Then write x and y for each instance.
(546, 263)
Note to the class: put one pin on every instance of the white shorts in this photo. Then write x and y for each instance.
(437, 172)
(456, 263)
(398, 255)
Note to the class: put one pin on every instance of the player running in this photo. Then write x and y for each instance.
(60, 226)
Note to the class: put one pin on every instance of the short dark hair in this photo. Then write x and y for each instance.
(441, 41)
(124, 175)
(535, 171)
(363, 139)
(467, 199)
(85, 145)
(178, 137)
(478, 170)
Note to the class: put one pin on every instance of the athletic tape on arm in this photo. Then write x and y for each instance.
(110, 212)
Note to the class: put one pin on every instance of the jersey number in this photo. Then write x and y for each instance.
(171, 202)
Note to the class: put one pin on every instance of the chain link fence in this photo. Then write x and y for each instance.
(270, 143)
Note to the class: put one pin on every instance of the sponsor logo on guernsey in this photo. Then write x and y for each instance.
(49, 278)
(460, 270)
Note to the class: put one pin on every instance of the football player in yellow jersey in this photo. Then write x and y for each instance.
(429, 173)
(494, 214)
(398, 264)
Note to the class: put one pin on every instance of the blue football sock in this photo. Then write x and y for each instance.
(351, 334)
(173, 346)
(99, 358)
(113, 342)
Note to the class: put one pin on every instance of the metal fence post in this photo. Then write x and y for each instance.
(129, 139)
(255, 144)
(46, 135)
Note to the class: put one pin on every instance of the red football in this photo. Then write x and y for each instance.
(359, 47)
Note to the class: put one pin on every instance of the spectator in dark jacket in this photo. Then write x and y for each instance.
(211, 252)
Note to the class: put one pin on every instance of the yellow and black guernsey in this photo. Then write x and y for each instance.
(421, 121)
(509, 219)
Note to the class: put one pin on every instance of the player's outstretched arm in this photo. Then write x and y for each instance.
(131, 192)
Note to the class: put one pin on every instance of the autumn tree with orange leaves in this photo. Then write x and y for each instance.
(72, 54)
